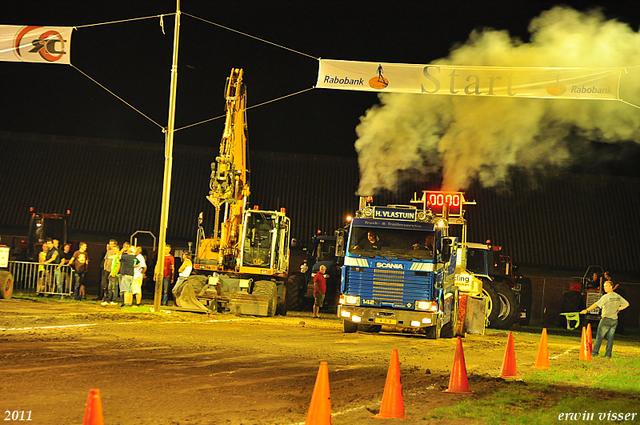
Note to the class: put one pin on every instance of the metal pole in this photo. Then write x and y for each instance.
(168, 164)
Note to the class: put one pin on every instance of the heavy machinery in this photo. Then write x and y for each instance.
(400, 271)
(510, 293)
(241, 267)
(323, 250)
(42, 227)
(482, 268)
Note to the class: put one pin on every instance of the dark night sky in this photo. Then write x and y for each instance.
(133, 59)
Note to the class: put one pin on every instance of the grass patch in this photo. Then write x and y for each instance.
(599, 392)
(542, 405)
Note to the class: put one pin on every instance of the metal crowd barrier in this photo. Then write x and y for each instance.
(46, 279)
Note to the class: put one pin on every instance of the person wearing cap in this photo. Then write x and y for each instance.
(610, 305)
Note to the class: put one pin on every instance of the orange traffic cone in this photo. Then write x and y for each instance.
(509, 362)
(392, 402)
(458, 383)
(542, 361)
(585, 353)
(93, 412)
(583, 341)
(320, 409)
(589, 338)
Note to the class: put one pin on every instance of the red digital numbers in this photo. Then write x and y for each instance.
(437, 200)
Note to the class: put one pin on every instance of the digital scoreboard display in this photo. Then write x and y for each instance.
(437, 200)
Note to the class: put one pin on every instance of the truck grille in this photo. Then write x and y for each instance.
(389, 286)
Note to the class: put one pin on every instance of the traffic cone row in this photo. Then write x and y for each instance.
(392, 406)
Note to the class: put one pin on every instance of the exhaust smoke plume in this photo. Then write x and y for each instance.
(469, 138)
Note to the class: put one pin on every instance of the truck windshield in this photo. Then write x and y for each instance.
(407, 244)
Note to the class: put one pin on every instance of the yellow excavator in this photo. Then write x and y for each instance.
(242, 266)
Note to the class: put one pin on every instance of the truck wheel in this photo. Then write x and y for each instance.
(6, 285)
(433, 332)
(349, 327)
(266, 287)
(493, 302)
(508, 306)
(293, 285)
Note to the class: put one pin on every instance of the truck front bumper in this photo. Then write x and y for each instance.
(387, 317)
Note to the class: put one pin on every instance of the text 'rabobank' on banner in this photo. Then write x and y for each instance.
(19, 43)
(480, 81)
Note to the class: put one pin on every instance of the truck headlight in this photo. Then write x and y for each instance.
(351, 300)
(426, 305)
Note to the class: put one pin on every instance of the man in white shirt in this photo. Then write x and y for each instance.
(610, 305)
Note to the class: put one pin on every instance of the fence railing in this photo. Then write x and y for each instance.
(47, 279)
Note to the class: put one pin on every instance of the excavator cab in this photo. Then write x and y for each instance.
(265, 248)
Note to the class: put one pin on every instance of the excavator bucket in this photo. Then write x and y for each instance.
(262, 301)
(245, 303)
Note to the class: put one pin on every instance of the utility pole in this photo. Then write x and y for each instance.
(168, 164)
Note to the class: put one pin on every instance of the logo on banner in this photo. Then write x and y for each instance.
(558, 88)
(379, 82)
(50, 44)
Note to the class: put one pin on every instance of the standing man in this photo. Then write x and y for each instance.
(610, 305)
(168, 273)
(319, 290)
(127, 264)
(63, 274)
(138, 275)
(80, 262)
(184, 271)
(620, 291)
(107, 262)
(52, 259)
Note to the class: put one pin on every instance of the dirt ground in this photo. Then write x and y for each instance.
(183, 368)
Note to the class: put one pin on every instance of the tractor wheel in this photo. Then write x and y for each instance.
(281, 310)
(293, 285)
(493, 302)
(6, 285)
(349, 327)
(508, 306)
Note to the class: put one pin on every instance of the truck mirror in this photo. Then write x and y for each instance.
(446, 250)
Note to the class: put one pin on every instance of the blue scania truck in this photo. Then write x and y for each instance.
(400, 270)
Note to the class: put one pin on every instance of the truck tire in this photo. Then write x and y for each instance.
(266, 287)
(434, 332)
(508, 306)
(6, 285)
(349, 327)
(293, 285)
(493, 302)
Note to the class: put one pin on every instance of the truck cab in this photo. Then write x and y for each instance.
(392, 277)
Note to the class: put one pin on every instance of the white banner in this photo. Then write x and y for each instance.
(35, 44)
(481, 81)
